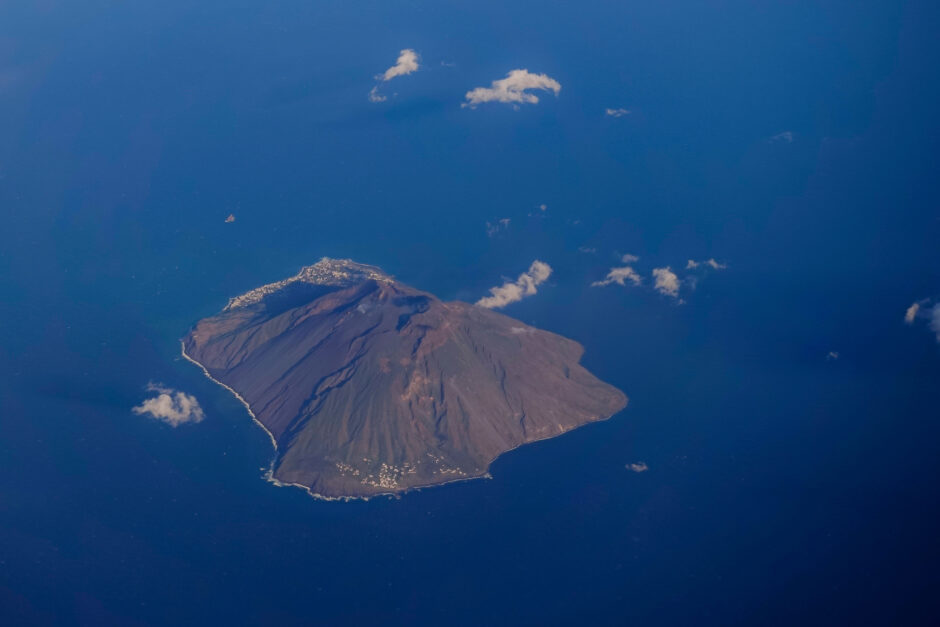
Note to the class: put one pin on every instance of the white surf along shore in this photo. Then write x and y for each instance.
(269, 473)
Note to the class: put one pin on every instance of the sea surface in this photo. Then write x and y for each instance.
(794, 142)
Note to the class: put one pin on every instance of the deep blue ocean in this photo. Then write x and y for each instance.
(797, 142)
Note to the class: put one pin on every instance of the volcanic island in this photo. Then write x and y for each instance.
(370, 387)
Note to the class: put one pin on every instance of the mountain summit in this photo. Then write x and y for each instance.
(368, 386)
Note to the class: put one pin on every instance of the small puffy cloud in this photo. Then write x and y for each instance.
(832, 355)
(638, 467)
(514, 89)
(170, 406)
(666, 282)
(923, 309)
(711, 263)
(616, 113)
(230, 218)
(375, 96)
(619, 276)
(697, 269)
(587, 249)
(514, 291)
(406, 64)
(785, 136)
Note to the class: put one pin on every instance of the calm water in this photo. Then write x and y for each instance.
(782, 488)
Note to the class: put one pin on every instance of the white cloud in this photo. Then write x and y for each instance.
(923, 309)
(406, 64)
(616, 113)
(511, 292)
(666, 281)
(638, 467)
(711, 263)
(587, 249)
(170, 406)
(619, 276)
(513, 89)
(832, 356)
(375, 96)
(785, 136)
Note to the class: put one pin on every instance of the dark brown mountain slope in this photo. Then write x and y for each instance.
(369, 386)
